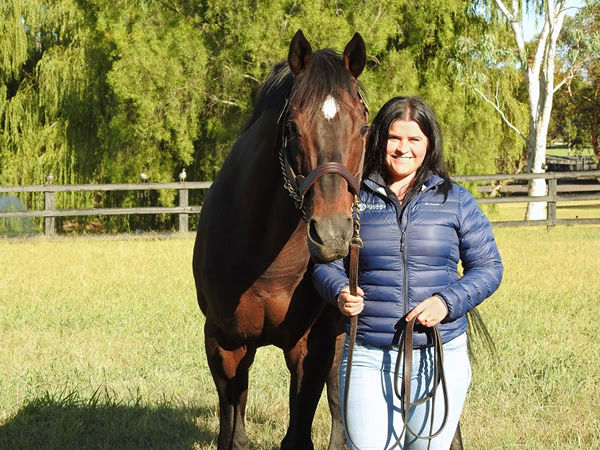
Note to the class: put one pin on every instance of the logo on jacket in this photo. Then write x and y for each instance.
(364, 206)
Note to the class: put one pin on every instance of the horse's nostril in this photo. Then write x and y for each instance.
(313, 233)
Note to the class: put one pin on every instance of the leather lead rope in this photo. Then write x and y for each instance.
(405, 354)
(439, 377)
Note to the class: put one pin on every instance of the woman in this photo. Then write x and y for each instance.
(416, 226)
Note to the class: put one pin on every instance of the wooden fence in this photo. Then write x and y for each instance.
(497, 189)
(49, 212)
(584, 186)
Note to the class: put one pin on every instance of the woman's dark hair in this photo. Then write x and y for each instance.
(408, 109)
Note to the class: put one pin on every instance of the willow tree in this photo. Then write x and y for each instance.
(52, 68)
(48, 87)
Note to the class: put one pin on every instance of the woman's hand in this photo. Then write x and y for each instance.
(350, 305)
(429, 312)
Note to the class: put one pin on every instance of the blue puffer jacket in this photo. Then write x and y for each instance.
(410, 258)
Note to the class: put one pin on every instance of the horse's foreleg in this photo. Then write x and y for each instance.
(309, 363)
(229, 368)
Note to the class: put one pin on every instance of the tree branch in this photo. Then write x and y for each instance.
(225, 102)
(169, 5)
(566, 79)
(375, 20)
(514, 20)
(502, 115)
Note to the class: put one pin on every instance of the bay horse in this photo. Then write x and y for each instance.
(281, 201)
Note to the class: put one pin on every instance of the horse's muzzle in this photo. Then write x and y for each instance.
(329, 236)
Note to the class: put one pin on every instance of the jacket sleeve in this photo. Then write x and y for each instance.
(329, 279)
(481, 261)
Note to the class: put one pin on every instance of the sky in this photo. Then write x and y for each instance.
(531, 26)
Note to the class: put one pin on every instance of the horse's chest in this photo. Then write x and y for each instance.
(273, 310)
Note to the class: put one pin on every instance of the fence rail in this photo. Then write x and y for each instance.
(49, 212)
(498, 188)
(552, 197)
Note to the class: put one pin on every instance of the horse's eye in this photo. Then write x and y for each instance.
(364, 130)
(292, 128)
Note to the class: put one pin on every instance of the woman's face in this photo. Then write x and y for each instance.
(406, 148)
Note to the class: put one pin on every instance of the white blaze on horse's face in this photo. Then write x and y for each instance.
(330, 108)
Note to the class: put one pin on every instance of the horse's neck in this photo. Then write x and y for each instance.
(263, 218)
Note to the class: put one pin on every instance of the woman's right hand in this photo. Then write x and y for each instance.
(350, 305)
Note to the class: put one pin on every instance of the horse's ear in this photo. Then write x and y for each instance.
(299, 54)
(355, 55)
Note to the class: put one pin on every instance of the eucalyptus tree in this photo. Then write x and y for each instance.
(536, 62)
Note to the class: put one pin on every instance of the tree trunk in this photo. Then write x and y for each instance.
(540, 85)
(536, 149)
(536, 146)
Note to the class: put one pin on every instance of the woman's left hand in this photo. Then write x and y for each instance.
(429, 312)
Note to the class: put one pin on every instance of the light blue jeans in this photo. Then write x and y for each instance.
(374, 417)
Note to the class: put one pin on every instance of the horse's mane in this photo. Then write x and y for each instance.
(274, 91)
(325, 75)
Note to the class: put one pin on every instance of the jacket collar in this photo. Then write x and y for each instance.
(376, 183)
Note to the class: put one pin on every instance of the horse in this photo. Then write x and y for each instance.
(282, 201)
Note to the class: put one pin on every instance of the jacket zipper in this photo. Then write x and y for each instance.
(406, 211)
(404, 262)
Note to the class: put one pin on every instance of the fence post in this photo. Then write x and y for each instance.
(183, 218)
(552, 183)
(49, 207)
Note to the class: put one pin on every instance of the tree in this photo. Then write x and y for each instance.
(99, 90)
(536, 62)
(579, 118)
(158, 82)
(50, 83)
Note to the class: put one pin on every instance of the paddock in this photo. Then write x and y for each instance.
(102, 348)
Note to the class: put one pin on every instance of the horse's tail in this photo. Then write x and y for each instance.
(478, 335)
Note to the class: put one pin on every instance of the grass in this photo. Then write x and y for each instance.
(542, 392)
(564, 210)
(102, 348)
(563, 150)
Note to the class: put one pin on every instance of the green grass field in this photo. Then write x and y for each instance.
(563, 150)
(564, 210)
(102, 348)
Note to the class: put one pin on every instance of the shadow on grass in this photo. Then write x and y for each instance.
(68, 423)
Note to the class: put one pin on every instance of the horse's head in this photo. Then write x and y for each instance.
(324, 129)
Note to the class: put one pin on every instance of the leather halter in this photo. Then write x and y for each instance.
(298, 185)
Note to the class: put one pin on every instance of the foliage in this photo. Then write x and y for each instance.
(99, 91)
(577, 119)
